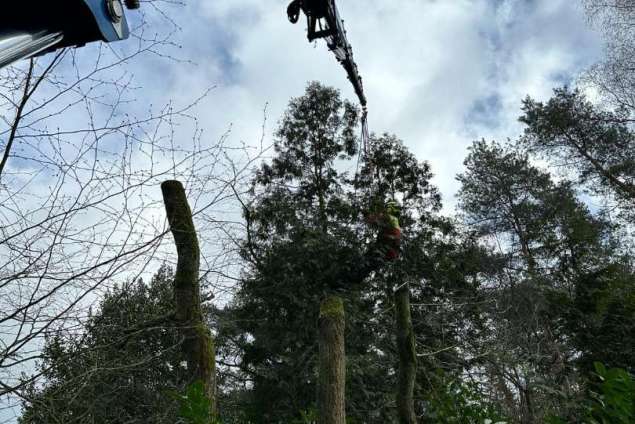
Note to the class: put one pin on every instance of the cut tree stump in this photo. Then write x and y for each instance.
(332, 362)
(407, 357)
(198, 346)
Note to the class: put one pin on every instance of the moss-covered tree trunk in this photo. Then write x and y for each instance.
(332, 362)
(407, 357)
(198, 346)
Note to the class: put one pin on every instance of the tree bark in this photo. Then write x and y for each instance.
(198, 346)
(407, 357)
(332, 362)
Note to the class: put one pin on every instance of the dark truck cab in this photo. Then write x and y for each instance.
(32, 27)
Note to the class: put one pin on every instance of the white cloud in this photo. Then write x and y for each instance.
(428, 66)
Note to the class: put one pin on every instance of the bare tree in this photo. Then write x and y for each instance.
(80, 205)
(198, 346)
(615, 74)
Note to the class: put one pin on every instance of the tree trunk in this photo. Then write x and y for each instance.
(407, 357)
(198, 346)
(332, 362)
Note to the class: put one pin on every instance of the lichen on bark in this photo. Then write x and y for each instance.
(332, 306)
(198, 346)
(332, 362)
(406, 347)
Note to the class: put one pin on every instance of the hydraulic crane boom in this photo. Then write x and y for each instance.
(16, 46)
(324, 21)
(32, 27)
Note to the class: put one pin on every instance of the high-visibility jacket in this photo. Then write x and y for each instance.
(391, 236)
(389, 232)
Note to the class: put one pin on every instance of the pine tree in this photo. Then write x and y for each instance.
(551, 247)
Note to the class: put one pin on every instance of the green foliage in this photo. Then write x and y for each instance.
(194, 406)
(610, 400)
(556, 258)
(504, 195)
(600, 316)
(118, 369)
(570, 129)
(308, 238)
(555, 420)
(462, 403)
(309, 416)
(614, 401)
(302, 243)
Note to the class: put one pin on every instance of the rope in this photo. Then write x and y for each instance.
(362, 155)
(365, 150)
(365, 132)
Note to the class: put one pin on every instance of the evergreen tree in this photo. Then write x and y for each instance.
(596, 145)
(551, 245)
(116, 370)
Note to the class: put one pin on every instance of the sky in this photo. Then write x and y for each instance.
(437, 73)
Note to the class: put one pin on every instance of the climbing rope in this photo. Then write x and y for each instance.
(365, 133)
(365, 150)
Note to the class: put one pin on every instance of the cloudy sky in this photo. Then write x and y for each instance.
(438, 73)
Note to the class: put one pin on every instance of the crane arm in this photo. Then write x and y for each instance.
(32, 27)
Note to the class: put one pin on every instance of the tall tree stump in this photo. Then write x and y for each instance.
(198, 346)
(407, 357)
(332, 362)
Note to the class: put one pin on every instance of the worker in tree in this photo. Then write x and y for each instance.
(386, 219)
